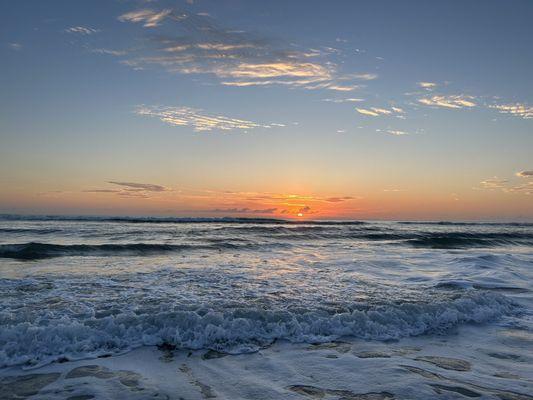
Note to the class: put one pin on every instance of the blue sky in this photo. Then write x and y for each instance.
(403, 109)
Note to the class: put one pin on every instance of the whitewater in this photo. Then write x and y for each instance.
(117, 307)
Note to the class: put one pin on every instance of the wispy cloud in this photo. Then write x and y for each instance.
(363, 77)
(198, 119)
(493, 183)
(396, 132)
(507, 186)
(525, 174)
(131, 189)
(149, 187)
(394, 190)
(236, 58)
(377, 111)
(427, 85)
(525, 188)
(149, 18)
(110, 52)
(365, 111)
(228, 201)
(338, 199)
(342, 88)
(347, 100)
(15, 46)
(517, 109)
(82, 30)
(450, 101)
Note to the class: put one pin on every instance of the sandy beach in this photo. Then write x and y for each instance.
(450, 367)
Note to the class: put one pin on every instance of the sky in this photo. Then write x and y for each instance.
(282, 109)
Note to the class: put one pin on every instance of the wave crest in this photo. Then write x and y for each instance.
(235, 330)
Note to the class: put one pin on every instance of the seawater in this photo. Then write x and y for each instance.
(81, 287)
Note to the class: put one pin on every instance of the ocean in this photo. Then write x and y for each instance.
(235, 308)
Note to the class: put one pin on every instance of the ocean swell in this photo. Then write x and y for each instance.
(36, 251)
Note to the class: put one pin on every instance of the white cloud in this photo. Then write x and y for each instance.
(82, 30)
(110, 52)
(452, 101)
(149, 18)
(198, 119)
(341, 88)
(519, 110)
(396, 132)
(377, 111)
(347, 100)
(309, 71)
(427, 85)
(364, 111)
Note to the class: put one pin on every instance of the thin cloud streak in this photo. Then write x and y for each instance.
(149, 18)
(451, 101)
(505, 185)
(377, 111)
(149, 187)
(82, 30)
(518, 110)
(199, 120)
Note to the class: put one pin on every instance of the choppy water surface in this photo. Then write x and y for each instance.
(83, 287)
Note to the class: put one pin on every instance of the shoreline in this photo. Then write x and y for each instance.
(435, 366)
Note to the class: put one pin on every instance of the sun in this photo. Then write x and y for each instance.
(300, 215)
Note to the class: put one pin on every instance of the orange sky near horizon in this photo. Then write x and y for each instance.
(129, 198)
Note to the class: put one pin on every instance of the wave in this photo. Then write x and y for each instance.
(35, 231)
(37, 251)
(451, 240)
(238, 330)
(464, 223)
(437, 240)
(434, 240)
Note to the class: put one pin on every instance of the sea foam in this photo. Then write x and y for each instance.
(236, 330)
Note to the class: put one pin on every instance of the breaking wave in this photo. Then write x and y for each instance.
(236, 330)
